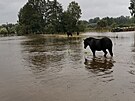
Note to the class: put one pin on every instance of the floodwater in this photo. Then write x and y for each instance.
(58, 68)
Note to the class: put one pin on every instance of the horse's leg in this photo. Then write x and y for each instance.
(93, 51)
(110, 51)
(105, 52)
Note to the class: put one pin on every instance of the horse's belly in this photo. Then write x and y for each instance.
(98, 49)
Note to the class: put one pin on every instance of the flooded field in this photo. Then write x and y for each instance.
(50, 68)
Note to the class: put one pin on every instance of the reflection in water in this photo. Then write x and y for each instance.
(42, 62)
(47, 53)
(133, 50)
(132, 69)
(132, 66)
(100, 67)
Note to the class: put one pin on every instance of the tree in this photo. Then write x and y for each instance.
(132, 7)
(10, 28)
(102, 24)
(67, 22)
(74, 14)
(82, 25)
(53, 16)
(3, 31)
(95, 20)
(30, 18)
(38, 16)
(108, 20)
(47, 16)
(74, 10)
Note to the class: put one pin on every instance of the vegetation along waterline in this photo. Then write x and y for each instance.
(49, 17)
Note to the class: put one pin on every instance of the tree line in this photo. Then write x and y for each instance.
(48, 17)
(95, 24)
(109, 23)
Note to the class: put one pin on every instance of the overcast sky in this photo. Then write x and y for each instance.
(90, 8)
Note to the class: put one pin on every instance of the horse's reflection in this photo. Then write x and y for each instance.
(98, 64)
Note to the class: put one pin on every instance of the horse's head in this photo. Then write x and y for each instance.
(87, 42)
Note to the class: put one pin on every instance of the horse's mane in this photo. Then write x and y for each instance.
(88, 39)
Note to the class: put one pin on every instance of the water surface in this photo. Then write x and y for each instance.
(57, 68)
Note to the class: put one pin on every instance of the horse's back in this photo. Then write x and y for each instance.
(98, 44)
(106, 42)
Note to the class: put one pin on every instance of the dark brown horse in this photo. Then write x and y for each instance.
(99, 45)
(69, 34)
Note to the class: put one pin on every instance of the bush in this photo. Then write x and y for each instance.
(3, 31)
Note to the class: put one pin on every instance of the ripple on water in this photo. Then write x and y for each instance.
(100, 67)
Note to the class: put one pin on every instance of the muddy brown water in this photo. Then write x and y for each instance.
(50, 68)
